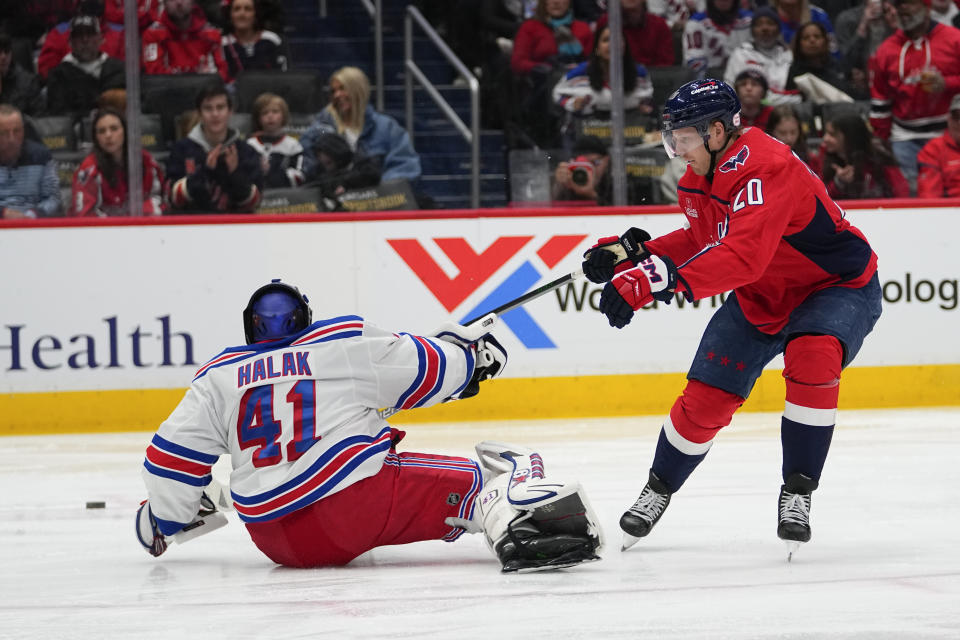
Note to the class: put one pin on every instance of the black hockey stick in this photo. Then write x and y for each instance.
(490, 317)
(533, 294)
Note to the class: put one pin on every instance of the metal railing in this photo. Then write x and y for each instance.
(375, 11)
(471, 134)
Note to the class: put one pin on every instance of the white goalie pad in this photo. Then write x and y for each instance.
(528, 487)
(517, 491)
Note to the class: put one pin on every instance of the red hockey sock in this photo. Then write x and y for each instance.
(701, 411)
(812, 374)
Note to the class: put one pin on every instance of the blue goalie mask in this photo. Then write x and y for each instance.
(275, 311)
(696, 104)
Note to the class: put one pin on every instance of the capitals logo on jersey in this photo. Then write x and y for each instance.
(736, 162)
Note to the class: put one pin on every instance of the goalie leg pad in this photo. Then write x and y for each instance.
(545, 525)
(528, 487)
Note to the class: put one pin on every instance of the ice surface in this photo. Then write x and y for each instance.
(884, 561)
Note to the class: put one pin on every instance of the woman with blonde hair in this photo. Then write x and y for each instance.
(369, 133)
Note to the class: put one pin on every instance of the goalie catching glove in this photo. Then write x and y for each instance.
(655, 279)
(613, 255)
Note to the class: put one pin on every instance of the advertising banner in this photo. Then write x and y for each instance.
(142, 307)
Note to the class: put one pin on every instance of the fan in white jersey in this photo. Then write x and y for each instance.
(316, 477)
(767, 52)
(710, 36)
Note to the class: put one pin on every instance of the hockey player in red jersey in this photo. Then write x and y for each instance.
(316, 476)
(803, 283)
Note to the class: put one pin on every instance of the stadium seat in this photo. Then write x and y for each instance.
(171, 95)
(67, 162)
(151, 131)
(529, 171)
(242, 122)
(644, 167)
(302, 90)
(56, 132)
(291, 200)
(299, 123)
(666, 80)
(830, 110)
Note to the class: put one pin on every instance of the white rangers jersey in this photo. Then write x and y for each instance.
(707, 45)
(281, 160)
(773, 63)
(576, 84)
(676, 11)
(298, 417)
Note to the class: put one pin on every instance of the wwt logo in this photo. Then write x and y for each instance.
(475, 269)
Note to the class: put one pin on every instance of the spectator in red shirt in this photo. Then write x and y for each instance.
(551, 38)
(148, 11)
(914, 74)
(939, 160)
(647, 35)
(546, 46)
(751, 87)
(182, 41)
(56, 43)
(856, 165)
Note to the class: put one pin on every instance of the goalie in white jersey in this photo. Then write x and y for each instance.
(316, 477)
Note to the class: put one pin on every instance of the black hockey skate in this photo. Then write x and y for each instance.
(793, 525)
(639, 519)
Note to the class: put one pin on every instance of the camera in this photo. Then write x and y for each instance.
(581, 171)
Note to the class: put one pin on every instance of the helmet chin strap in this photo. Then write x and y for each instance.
(714, 154)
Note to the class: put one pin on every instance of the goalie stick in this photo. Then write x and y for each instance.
(533, 294)
(489, 318)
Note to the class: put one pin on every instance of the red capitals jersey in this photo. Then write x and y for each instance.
(168, 50)
(939, 166)
(901, 108)
(766, 229)
(93, 195)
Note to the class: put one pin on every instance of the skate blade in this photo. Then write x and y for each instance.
(792, 547)
(628, 541)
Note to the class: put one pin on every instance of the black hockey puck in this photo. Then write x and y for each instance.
(96, 504)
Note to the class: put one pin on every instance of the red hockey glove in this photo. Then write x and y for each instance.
(611, 255)
(654, 279)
